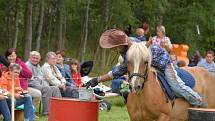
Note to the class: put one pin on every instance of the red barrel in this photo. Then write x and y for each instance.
(67, 109)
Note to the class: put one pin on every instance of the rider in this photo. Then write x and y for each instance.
(118, 40)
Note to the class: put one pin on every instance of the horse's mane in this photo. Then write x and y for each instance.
(139, 52)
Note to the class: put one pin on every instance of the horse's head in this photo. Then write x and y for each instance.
(139, 60)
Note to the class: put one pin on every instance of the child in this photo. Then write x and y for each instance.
(75, 72)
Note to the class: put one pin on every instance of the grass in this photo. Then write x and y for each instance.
(118, 111)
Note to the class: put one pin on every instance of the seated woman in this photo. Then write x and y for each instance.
(75, 72)
(26, 99)
(64, 68)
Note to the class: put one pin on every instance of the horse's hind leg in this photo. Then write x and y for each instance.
(163, 117)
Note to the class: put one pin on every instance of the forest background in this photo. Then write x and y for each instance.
(76, 25)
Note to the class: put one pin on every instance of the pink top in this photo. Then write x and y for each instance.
(161, 41)
(25, 74)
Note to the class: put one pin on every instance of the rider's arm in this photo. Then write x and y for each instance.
(116, 72)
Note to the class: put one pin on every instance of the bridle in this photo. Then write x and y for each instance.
(141, 75)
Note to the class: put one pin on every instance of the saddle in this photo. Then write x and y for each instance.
(184, 75)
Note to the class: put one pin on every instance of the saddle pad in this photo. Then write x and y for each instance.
(187, 78)
(165, 86)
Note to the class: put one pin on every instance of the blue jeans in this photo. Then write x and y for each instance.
(5, 110)
(115, 86)
(28, 107)
(179, 87)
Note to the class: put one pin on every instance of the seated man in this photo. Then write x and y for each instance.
(54, 77)
(208, 62)
(37, 81)
(26, 99)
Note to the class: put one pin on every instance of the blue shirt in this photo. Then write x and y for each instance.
(66, 73)
(138, 38)
(209, 66)
(160, 60)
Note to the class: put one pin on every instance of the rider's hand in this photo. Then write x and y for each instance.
(93, 82)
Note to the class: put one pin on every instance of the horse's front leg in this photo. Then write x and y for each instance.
(163, 117)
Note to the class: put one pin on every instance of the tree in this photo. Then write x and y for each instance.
(16, 24)
(40, 26)
(84, 41)
(28, 28)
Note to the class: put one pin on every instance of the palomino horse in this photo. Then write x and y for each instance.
(147, 101)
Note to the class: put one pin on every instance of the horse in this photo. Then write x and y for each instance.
(147, 101)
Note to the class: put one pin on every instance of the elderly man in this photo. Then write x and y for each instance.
(54, 77)
(38, 81)
(208, 62)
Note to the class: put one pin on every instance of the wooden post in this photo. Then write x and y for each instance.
(13, 101)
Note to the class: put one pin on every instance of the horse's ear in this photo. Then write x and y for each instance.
(149, 42)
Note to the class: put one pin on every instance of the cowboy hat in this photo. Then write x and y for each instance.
(112, 38)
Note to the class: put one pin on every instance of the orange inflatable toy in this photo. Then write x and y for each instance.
(180, 50)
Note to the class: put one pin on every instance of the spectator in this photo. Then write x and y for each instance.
(75, 69)
(3, 61)
(4, 109)
(140, 37)
(208, 62)
(64, 68)
(38, 82)
(161, 39)
(195, 59)
(25, 75)
(174, 60)
(54, 77)
(26, 99)
(145, 27)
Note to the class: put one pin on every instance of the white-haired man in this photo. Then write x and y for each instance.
(38, 81)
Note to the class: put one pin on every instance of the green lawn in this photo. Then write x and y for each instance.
(118, 111)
